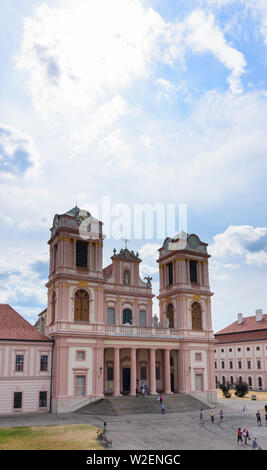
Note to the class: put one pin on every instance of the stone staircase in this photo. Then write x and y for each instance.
(118, 406)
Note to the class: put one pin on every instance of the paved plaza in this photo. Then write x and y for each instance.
(174, 431)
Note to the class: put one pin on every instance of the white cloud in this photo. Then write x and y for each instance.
(80, 62)
(19, 156)
(241, 240)
(204, 35)
(149, 249)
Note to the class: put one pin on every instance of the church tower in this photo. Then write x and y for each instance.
(75, 306)
(185, 307)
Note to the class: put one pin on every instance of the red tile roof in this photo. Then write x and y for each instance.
(248, 324)
(14, 327)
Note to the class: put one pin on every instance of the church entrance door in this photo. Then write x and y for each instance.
(126, 380)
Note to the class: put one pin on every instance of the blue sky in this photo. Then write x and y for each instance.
(142, 101)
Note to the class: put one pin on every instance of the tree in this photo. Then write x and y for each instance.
(225, 388)
(241, 388)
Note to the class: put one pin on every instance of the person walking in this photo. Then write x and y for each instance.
(245, 409)
(160, 399)
(212, 416)
(239, 436)
(201, 415)
(255, 443)
(258, 415)
(221, 416)
(245, 435)
(162, 409)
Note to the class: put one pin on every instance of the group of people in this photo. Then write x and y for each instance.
(162, 406)
(243, 435)
(143, 390)
(212, 415)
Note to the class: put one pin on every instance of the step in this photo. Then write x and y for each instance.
(116, 406)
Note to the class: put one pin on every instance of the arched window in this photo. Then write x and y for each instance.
(142, 318)
(232, 380)
(127, 316)
(259, 382)
(81, 306)
(223, 380)
(196, 316)
(111, 316)
(249, 381)
(53, 307)
(126, 278)
(170, 315)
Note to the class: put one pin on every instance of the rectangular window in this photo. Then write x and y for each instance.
(111, 316)
(142, 318)
(215, 365)
(157, 373)
(19, 362)
(17, 400)
(143, 373)
(239, 364)
(198, 357)
(42, 399)
(248, 349)
(80, 355)
(193, 270)
(81, 254)
(230, 364)
(222, 364)
(80, 385)
(110, 373)
(249, 365)
(258, 364)
(230, 349)
(44, 363)
(170, 273)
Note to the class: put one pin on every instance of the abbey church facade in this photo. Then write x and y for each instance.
(106, 340)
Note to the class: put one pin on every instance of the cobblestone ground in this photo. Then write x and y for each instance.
(176, 431)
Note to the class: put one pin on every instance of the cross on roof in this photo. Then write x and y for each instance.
(126, 240)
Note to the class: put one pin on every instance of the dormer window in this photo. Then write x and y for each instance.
(126, 278)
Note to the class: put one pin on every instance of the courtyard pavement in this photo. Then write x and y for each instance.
(174, 431)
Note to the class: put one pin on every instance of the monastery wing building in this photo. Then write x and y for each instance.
(107, 340)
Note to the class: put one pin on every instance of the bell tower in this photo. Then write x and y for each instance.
(184, 285)
(185, 307)
(75, 283)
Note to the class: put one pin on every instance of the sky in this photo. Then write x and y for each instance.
(134, 102)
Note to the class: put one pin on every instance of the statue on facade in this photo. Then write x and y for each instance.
(148, 279)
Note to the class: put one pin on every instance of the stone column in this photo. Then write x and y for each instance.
(167, 369)
(116, 391)
(152, 368)
(133, 372)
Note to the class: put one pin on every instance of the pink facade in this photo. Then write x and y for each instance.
(25, 365)
(241, 352)
(106, 338)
